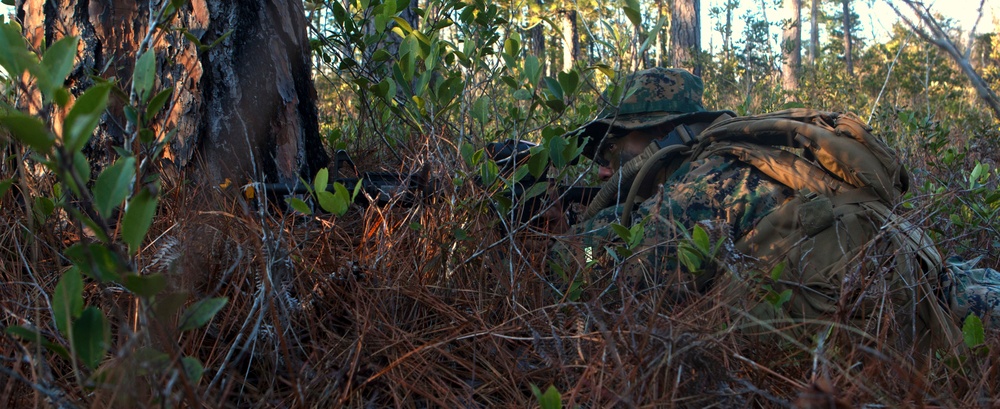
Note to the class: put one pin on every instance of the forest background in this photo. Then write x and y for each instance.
(138, 271)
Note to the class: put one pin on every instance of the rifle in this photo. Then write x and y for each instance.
(380, 188)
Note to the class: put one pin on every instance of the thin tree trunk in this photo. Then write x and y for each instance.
(791, 46)
(814, 32)
(536, 34)
(848, 42)
(571, 39)
(243, 110)
(685, 35)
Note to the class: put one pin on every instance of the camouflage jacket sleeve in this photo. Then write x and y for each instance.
(725, 196)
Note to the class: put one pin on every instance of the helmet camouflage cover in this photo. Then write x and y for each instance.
(653, 96)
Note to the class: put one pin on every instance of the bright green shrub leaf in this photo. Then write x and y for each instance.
(84, 117)
(343, 199)
(112, 186)
(96, 261)
(91, 336)
(29, 130)
(57, 63)
(557, 145)
(192, 368)
(327, 201)
(972, 331)
(67, 300)
(14, 55)
(298, 205)
(551, 399)
(146, 286)
(481, 110)
(554, 87)
(570, 82)
(700, 238)
(157, 103)
(139, 214)
(144, 75)
(201, 312)
(321, 180)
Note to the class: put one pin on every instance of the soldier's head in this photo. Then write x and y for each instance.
(656, 100)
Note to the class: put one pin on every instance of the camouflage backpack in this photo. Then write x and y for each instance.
(847, 257)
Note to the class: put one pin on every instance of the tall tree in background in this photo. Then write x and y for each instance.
(848, 41)
(791, 46)
(814, 32)
(242, 108)
(570, 37)
(685, 34)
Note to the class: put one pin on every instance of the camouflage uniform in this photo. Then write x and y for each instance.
(724, 196)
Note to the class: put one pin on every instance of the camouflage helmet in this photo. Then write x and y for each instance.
(661, 95)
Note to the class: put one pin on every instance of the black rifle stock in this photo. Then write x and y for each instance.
(381, 188)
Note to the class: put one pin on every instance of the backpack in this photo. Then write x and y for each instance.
(847, 258)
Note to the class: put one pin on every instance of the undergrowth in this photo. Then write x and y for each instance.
(449, 302)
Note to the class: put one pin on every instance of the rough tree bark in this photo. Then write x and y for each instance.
(791, 46)
(685, 34)
(243, 110)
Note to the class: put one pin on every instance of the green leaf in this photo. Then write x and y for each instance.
(192, 369)
(57, 63)
(570, 81)
(201, 312)
(33, 335)
(488, 172)
(139, 214)
(327, 201)
(67, 300)
(321, 180)
(777, 270)
(298, 205)
(554, 87)
(84, 117)
(700, 238)
(532, 69)
(29, 130)
(157, 103)
(112, 186)
(144, 75)
(96, 261)
(343, 199)
(166, 305)
(551, 399)
(5, 186)
(972, 331)
(634, 12)
(91, 336)
(522, 95)
(146, 286)
(557, 145)
(480, 110)
(623, 232)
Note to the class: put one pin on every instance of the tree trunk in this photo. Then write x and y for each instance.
(814, 32)
(848, 42)
(685, 35)
(791, 46)
(571, 39)
(243, 110)
(536, 36)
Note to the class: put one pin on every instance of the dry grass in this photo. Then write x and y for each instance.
(384, 307)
